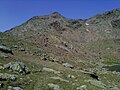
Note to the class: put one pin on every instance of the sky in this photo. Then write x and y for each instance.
(16, 12)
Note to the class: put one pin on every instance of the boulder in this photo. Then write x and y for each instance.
(114, 88)
(94, 75)
(6, 76)
(67, 65)
(17, 66)
(51, 70)
(97, 84)
(5, 49)
(17, 88)
(21, 49)
(60, 79)
(1, 67)
(83, 87)
(45, 57)
(14, 88)
(15, 46)
(54, 86)
(71, 76)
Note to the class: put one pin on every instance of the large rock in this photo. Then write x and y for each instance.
(71, 76)
(67, 65)
(5, 49)
(54, 86)
(14, 88)
(101, 85)
(97, 84)
(51, 70)
(94, 75)
(1, 67)
(83, 87)
(59, 78)
(45, 57)
(17, 66)
(6, 76)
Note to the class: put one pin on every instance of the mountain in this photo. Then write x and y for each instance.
(62, 53)
(101, 25)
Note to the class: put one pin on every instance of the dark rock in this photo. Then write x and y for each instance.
(94, 75)
(5, 49)
(1, 85)
(115, 23)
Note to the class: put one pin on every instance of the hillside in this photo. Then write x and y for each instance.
(53, 52)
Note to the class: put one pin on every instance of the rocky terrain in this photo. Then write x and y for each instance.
(53, 52)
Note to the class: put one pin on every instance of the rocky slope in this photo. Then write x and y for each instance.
(52, 52)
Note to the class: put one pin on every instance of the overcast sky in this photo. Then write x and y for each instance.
(16, 12)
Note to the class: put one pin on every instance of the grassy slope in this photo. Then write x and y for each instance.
(41, 79)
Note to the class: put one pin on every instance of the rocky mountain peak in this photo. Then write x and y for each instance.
(56, 15)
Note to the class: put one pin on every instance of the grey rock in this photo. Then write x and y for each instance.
(6, 76)
(22, 49)
(67, 65)
(83, 87)
(15, 46)
(1, 67)
(97, 83)
(71, 76)
(51, 70)
(14, 88)
(17, 66)
(17, 88)
(45, 57)
(60, 79)
(115, 88)
(54, 86)
(9, 87)
(102, 85)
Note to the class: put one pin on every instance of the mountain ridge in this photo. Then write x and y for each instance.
(94, 28)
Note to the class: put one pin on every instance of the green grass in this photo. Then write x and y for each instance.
(111, 60)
